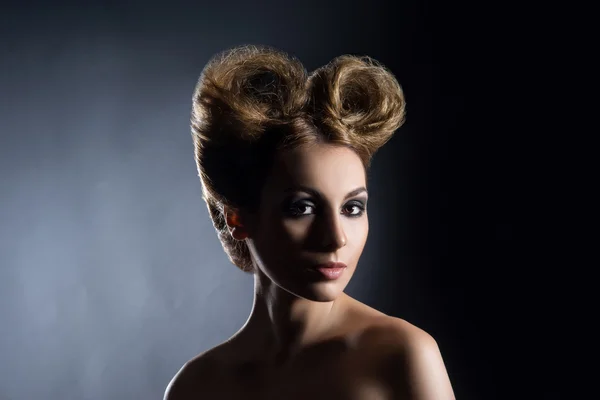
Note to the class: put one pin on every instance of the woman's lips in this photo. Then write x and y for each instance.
(331, 273)
(331, 270)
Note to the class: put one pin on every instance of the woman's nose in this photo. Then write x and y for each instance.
(333, 233)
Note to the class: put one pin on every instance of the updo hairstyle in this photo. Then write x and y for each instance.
(252, 102)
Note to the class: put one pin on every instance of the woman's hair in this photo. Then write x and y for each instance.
(253, 101)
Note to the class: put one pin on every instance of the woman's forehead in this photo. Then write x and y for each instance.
(324, 167)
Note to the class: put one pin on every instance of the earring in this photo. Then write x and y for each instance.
(236, 227)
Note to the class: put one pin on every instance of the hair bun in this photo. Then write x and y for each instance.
(360, 96)
(250, 86)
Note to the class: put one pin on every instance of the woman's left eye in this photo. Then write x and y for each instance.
(356, 209)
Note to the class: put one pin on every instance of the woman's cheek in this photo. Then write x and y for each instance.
(295, 230)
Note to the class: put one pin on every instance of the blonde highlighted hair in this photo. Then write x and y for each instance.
(254, 101)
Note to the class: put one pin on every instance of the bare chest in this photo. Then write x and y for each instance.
(324, 373)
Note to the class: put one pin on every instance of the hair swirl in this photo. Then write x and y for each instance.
(358, 99)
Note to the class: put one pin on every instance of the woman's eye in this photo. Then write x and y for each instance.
(300, 209)
(355, 209)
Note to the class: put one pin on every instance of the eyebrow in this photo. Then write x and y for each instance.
(316, 193)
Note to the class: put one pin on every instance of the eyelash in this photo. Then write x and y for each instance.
(299, 204)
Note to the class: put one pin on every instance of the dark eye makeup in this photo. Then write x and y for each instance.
(298, 208)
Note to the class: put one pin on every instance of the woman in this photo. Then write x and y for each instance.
(283, 158)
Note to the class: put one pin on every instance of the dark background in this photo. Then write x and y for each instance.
(112, 276)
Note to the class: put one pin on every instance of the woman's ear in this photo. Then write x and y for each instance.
(236, 227)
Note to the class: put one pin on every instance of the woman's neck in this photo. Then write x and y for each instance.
(282, 324)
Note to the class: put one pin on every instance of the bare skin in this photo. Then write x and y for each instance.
(305, 338)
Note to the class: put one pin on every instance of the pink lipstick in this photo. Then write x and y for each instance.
(331, 270)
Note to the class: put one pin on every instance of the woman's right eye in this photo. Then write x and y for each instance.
(299, 209)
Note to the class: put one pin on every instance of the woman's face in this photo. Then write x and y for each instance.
(312, 211)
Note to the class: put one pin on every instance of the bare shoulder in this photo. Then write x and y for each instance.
(378, 328)
(397, 333)
(410, 360)
(196, 378)
(405, 358)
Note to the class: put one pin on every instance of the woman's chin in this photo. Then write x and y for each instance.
(324, 291)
